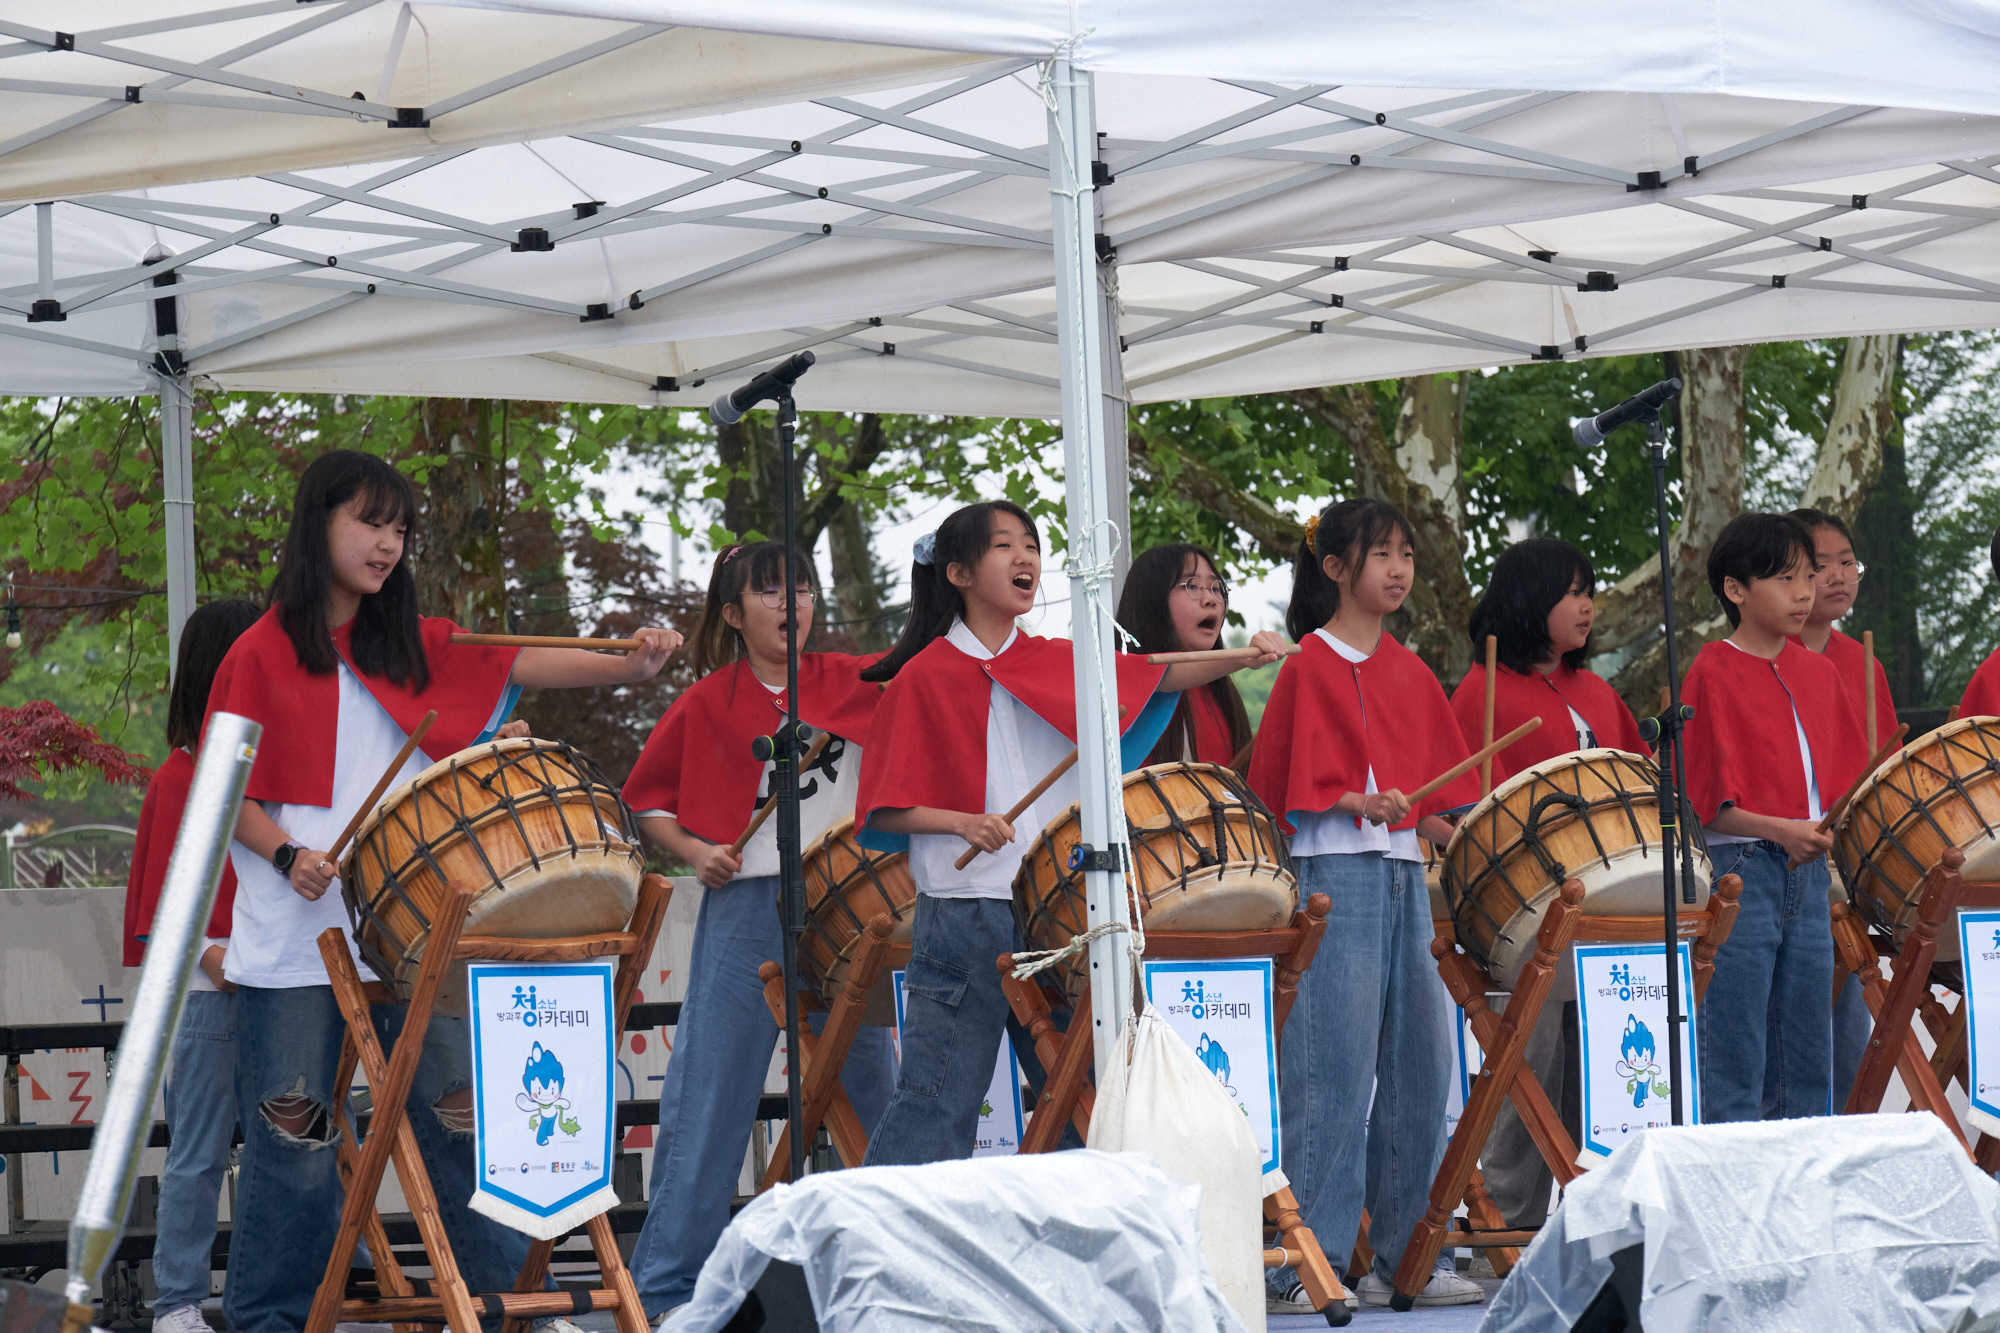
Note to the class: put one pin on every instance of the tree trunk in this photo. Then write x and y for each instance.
(754, 501)
(1418, 472)
(1711, 447)
(1276, 533)
(1863, 417)
(1885, 537)
(458, 564)
(857, 595)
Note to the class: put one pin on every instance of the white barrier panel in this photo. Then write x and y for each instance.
(1621, 994)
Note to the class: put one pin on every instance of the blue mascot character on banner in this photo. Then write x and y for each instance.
(1211, 1053)
(1639, 1068)
(543, 1099)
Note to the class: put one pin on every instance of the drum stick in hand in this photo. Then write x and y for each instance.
(382, 785)
(1486, 736)
(1244, 654)
(1464, 766)
(1839, 807)
(771, 802)
(1034, 794)
(545, 641)
(1868, 683)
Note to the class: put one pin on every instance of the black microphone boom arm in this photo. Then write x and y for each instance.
(773, 383)
(1590, 431)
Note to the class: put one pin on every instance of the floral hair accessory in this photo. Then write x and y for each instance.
(1312, 533)
(924, 549)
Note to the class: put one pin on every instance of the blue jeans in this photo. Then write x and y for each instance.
(1766, 1025)
(288, 1193)
(954, 1015)
(1369, 1004)
(1853, 1025)
(708, 1099)
(201, 1116)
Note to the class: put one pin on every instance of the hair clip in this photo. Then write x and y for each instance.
(924, 549)
(1312, 533)
(731, 553)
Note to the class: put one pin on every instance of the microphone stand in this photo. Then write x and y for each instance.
(784, 750)
(1665, 734)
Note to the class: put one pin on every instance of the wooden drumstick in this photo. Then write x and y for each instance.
(1951, 716)
(1486, 735)
(545, 641)
(1464, 766)
(771, 802)
(382, 785)
(1868, 683)
(1244, 654)
(1839, 807)
(1034, 794)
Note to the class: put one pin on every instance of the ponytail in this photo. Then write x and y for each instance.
(1346, 531)
(935, 601)
(752, 565)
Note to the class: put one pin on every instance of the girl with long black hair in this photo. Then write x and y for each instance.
(1354, 721)
(339, 671)
(975, 714)
(694, 788)
(1175, 601)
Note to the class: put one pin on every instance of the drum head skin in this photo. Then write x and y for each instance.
(848, 886)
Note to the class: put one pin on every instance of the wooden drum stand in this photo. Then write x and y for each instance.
(409, 1303)
(1503, 1072)
(1893, 1044)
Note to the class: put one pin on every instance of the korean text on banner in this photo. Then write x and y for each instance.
(1979, 946)
(1621, 996)
(1001, 1122)
(1222, 1009)
(543, 1059)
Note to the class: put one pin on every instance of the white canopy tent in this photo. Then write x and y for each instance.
(926, 221)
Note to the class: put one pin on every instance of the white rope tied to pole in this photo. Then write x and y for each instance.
(1040, 960)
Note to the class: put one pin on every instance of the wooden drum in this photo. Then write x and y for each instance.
(1207, 853)
(1938, 791)
(847, 886)
(1592, 816)
(532, 824)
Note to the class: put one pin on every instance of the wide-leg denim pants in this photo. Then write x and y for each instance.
(708, 1099)
(1369, 1007)
(201, 1116)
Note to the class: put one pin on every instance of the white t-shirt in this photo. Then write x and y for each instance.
(1020, 750)
(1337, 833)
(826, 796)
(273, 941)
(1813, 810)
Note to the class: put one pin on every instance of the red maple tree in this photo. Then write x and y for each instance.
(38, 738)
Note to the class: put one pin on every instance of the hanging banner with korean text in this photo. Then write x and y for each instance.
(1979, 947)
(545, 1109)
(1222, 1009)
(1001, 1122)
(1621, 992)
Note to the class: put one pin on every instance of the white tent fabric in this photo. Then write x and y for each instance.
(1940, 55)
(1454, 229)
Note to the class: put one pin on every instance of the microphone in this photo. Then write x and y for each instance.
(1591, 431)
(729, 409)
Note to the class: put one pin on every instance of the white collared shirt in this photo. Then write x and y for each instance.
(1020, 750)
(1337, 833)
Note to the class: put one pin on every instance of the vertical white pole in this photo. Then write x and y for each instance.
(1080, 328)
(177, 459)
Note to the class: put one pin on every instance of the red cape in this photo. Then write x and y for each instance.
(1982, 692)
(706, 734)
(159, 823)
(1329, 721)
(1847, 655)
(928, 742)
(261, 679)
(1741, 747)
(1211, 729)
(1517, 697)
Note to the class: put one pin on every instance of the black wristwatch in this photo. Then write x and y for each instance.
(283, 858)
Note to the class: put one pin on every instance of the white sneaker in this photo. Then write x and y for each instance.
(1293, 1300)
(187, 1319)
(1443, 1289)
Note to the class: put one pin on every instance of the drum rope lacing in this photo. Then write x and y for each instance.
(1868, 869)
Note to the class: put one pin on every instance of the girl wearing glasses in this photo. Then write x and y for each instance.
(1174, 601)
(695, 788)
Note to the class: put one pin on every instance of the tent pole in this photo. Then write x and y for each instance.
(1081, 332)
(177, 460)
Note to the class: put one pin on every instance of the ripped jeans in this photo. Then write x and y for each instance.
(288, 1192)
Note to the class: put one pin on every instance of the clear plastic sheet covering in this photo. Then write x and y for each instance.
(1819, 1226)
(1073, 1242)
